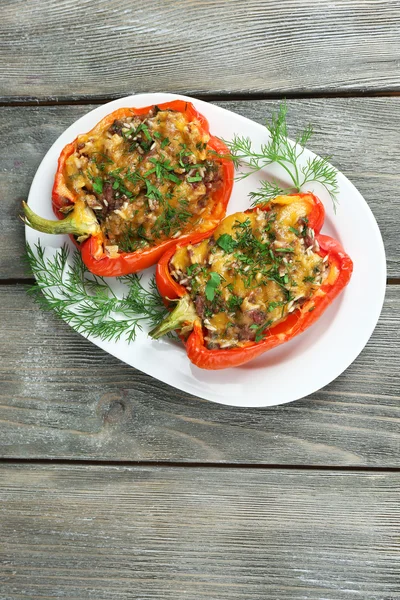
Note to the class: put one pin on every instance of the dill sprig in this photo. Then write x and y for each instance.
(86, 301)
(287, 154)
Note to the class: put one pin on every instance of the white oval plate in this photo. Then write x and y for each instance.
(295, 369)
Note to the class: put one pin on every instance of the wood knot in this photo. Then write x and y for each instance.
(112, 407)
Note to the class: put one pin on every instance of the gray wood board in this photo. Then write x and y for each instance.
(361, 134)
(80, 49)
(62, 397)
(80, 532)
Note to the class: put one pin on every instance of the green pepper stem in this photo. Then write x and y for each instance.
(182, 317)
(80, 221)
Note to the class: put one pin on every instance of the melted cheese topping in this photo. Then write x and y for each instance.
(148, 178)
(254, 270)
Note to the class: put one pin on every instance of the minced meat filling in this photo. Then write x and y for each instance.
(252, 272)
(147, 178)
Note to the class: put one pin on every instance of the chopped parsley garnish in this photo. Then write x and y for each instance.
(146, 131)
(273, 305)
(234, 302)
(104, 157)
(98, 185)
(194, 179)
(192, 268)
(226, 242)
(173, 177)
(260, 330)
(212, 285)
(135, 131)
(295, 231)
(184, 154)
(152, 191)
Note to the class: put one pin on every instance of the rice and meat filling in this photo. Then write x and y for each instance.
(251, 273)
(147, 178)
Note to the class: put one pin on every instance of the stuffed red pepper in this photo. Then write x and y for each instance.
(137, 184)
(261, 278)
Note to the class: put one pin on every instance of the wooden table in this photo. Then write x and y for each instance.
(115, 486)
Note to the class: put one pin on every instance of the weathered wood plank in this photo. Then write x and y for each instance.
(62, 397)
(112, 533)
(360, 133)
(77, 49)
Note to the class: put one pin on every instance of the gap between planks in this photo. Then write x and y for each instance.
(212, 97)
(198, 465)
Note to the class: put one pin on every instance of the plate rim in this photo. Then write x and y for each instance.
(363, 338)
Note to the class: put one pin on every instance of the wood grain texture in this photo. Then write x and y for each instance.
(72, 48)
(62, 397)
(117, 533)
(360, 133)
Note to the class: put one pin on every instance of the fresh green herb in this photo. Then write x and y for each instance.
(146, 132)
(184, 154)
(260, 330)
(129, 240)
(115, 172)
(234, 302)
(163, 170)
(136, 130)
(273, 305)
(165, 142)
(130, 132)
(105, 158)
(295, 231)
(152, 191)
(287, 154)
(86, 301)
(141, 232)
(283, 250)
(197, 177)
(242, 224)
(267, 191)
(98, 185)
(226, 242)
(247, 260)
(172, 219)
(309, 278)
(192, 268)
(212, 284)
(173, 177)
(119, 183)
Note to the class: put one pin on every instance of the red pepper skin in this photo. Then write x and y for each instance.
(131, 262)
(295, 323)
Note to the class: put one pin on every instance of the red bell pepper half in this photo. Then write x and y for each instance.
(189, 325)
(82, 222)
